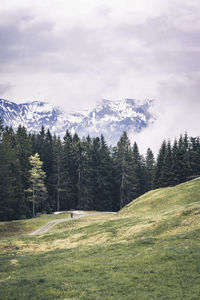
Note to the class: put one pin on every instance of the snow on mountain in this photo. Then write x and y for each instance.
(110, 118)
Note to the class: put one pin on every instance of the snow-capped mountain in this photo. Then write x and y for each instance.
(110, 118)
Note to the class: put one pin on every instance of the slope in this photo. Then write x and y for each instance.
(149, 250)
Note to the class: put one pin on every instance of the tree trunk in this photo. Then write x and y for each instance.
(122, 185)
(33, 201)
(58, 185)
(79, 184)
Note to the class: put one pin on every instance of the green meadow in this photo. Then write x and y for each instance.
(148, 250)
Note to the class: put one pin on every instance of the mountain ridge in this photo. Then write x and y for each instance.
(110, 117)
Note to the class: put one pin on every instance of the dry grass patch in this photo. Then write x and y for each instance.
(14, 262)
(5, 279)
(83, 222)
(125, 233)
(187, 225)
(75, 241)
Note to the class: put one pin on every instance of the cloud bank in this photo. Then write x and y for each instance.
(74, 53)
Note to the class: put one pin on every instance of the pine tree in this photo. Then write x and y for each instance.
(167, 175)
(77, 169)
(175, 166)
(33, 137)
(126, 181)
(158, 181)
(40, 143)
(139, 168)
(198, 156)
(22, 145)
(105, 179)
(150, 165)
(86, 182)
(48, 166)
(57, 170)
(194, 156)
(9, 188)
(186, 145)
(1, 129)
(67, 165)
(101, 171)
(181, 166)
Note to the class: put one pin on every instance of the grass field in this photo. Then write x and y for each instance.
(149, 250)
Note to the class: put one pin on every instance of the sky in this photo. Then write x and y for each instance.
(73, 53)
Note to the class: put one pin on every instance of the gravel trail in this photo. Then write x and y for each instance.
(76, 215)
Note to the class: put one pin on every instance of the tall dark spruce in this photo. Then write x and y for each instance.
(11, 203)
(126, 181)
(48, 160)
(157, 180)
(194, 156)
(56, 186)
(150, 166)
(67, 174)
(101, 175)
(167, 174)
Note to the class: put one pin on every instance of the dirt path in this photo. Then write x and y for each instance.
(76, 215)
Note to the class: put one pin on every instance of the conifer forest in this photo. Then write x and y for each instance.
(44, 173)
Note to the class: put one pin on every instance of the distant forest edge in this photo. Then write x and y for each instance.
(42, 173)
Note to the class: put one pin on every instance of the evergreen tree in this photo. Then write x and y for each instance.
(67, 166)
(34, 142)
(57, 170)
(9, 195)
(150, 165)
(77, 168)
(194, 156)
(167, 175)
(139, 169)
(1, 129)
(126, 181)
(40, 143)
(22, 145)
(95, 162)
(181, 167)
(198, 156)
(158, 181)
(175, 166)
(86, 180)
(48, 166)
(105, 179)
(101, 186)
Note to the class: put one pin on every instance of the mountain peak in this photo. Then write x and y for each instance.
(110, 117)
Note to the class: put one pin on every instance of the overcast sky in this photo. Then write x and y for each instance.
(75, 52)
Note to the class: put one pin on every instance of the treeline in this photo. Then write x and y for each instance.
(86, 173)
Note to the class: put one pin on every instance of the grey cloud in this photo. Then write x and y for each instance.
(23, 38)
(160, 47)
(4, 88)
(177, 109)
(158, 32)
(32, 44)
(103, 10)
(181, 90)
(82, 62)
(178, 61)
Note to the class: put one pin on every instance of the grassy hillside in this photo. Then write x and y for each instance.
(149, 250)
(16, 228)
